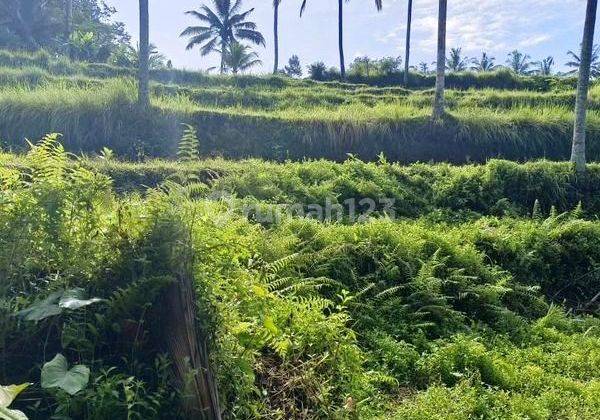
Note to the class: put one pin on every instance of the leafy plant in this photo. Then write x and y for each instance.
(56, 303)
(7, 396)
(188, 145)
(56, 374)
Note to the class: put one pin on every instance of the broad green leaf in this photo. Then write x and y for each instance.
(9, 393)
(7, 414)
(7, 396)
(74, 299)
(43, 309)
(55, 304)
(56, 374)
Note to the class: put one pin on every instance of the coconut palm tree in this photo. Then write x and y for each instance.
(544, 67)
(143, 71)
(575, 62)
(587, 46)
(456, 62)
(485, 63)
(438, 104)
(221, 27)
(240, 58)
(408, 30)
(519, 62)
(378, 5)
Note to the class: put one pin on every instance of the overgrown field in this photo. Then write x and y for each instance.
(493, 115)
(466, 292)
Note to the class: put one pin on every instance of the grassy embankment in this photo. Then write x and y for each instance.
(279, 118)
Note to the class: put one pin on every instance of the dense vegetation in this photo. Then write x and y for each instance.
(82, 29)
(319, 276)
(473, 302)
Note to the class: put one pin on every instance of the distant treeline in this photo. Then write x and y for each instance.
(501, 79)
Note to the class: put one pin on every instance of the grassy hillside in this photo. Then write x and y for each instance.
(279, 118)
(469, 295)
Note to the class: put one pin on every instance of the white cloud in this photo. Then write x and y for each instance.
(496, 25)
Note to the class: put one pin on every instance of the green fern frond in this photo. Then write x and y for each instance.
(189, 146)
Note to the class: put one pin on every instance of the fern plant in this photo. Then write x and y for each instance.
(189, 146)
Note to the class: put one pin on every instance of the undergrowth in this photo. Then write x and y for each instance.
(488, 312)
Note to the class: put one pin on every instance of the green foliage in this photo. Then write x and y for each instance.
(188, 145)
(7, 396)
(471, 304)
(56, 374)
(35, 24)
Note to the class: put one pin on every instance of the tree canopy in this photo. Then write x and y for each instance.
(36, 24)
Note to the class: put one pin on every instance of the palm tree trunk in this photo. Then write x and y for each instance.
(187, 346)
(438, 105)
(144, 59)
(68, 26)
(223, 54)
(276, 34)
(578, 149)
(341, 38)
(408, 30)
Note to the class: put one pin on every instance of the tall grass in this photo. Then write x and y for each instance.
(93, 115)
(281, 118)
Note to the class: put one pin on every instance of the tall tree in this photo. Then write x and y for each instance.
(276, 4)
(23, 18)
(144, 60)
(438, 104)
(456, 62)
(221, 27)
(519, 62)
(485, 63)
(35, 24)
(578, 148)
(293, 69)
(240, 58)
(544, 66)
(68, 26)
(378, 5)
(408, 31)
(575, 62)
(129, 56)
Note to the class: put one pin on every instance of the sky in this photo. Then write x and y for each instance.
(539, 28)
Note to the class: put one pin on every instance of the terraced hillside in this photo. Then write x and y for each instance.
(507, 116)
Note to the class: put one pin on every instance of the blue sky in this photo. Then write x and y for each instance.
(537, 27)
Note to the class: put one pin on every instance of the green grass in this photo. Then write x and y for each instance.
(292, 122)
(280, 118)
